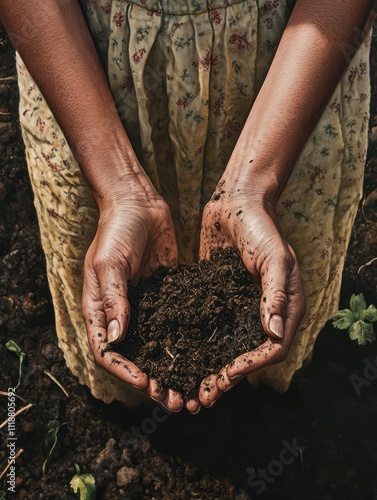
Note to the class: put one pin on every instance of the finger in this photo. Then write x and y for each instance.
(193, 406)
(204, 245)
(224, 383)
(111, 361)
(164, 254)
(276, 276)
(166, 249)
(295, 308)
(112, 278)
(274, 298)
(154, 391)
(295, 304)
(208, 392)
(211, 233)
(96, 327)
(267, 354)
(173, 401)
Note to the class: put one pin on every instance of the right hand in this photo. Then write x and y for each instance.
(135, 236)
(235, 218)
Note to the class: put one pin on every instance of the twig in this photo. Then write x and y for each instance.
(362, 210)
(8, 79)
(2, 393)
(4, 114)
(17, 413)
(168, 352)
(367, 264)
(10, 463)
(56, 382)
(211, 337)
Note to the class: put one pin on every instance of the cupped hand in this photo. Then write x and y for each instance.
(234, 218)
(135, 235)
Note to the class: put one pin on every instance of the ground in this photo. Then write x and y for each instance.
(318, 441)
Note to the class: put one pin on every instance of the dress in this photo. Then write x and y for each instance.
(184, 75)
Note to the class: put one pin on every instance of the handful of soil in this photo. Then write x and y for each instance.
(189, 322)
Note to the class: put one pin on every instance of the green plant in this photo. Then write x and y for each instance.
(3, 496)
(85, 483)
(12, 346)
(54, 430)
(357, 320)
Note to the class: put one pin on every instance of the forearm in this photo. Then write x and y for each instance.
(307, 66)
(57, 48)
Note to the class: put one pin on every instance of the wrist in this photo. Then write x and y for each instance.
(254, 181)
(113, 171)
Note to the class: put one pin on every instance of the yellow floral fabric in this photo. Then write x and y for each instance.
(184, 75)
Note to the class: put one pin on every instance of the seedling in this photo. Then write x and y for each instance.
(357, 320)
(12, 346)
(85, 483)
(55, 427)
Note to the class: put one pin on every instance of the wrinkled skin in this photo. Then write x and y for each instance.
(133, 239)
(306, 68)
(232, 218)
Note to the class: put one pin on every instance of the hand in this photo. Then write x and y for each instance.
(233, 218)
(135, 236)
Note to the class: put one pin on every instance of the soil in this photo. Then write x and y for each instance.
(316, 442)
(189, 322)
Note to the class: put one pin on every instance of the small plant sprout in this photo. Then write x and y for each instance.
(85, 483)
(12, 346)
(55, 427)
(357, 320)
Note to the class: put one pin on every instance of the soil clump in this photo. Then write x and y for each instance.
(189, 322)
(325, 425)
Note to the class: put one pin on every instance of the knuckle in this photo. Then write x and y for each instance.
(279, 298)
(100, 263)
(109, 302)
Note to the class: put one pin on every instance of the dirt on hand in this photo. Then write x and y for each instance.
(143, 453)
(189, 322)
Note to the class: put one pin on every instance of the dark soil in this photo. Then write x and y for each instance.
(189, 322)
(317, 442)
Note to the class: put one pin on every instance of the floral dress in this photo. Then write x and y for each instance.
(184, 75)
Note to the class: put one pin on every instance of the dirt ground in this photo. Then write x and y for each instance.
(317, 442)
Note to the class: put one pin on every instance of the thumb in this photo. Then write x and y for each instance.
(112, 280)
(275, 280)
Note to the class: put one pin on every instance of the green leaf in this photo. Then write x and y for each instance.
(358, 305)
(369, 314)
(362, 332)
(54, 430)
(13, 347)
(343, 319)
(85, 483)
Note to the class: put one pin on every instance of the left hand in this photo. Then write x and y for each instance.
(235, 218)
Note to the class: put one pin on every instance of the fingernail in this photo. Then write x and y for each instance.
(229, 388)
(277, 325)
(113, 330)
(235, 377)
(197, 411)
